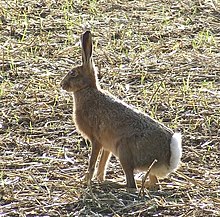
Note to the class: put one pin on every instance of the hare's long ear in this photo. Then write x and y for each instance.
(87, 48)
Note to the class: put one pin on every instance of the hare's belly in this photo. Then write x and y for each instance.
(157, 170)
(109, 143)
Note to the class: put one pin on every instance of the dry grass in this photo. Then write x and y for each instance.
(160, 56)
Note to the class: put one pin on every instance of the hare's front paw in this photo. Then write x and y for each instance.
(100, 177)
(87, 178)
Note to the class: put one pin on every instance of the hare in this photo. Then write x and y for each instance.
(113, 126)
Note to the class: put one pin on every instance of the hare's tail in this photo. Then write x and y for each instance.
(176, 151)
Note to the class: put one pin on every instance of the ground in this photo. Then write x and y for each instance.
(162, 57)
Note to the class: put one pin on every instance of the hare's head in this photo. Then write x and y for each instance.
(82, 76)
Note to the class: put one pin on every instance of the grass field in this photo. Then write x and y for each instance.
(161, 56)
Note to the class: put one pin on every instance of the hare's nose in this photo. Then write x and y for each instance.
(62, 83)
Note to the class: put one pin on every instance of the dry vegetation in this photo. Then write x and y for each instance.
(160, 56)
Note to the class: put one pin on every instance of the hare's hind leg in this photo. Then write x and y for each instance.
(129, 173)
(153, 183)
(103, 165)
(96, 147)
(126, 161)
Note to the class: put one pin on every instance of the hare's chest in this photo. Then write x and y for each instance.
(83, 125)
(92, 126)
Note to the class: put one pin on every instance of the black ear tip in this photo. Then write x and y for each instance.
(87, 34)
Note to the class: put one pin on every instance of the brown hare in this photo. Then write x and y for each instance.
(112, 126)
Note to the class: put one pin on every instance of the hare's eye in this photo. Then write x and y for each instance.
(73, 73)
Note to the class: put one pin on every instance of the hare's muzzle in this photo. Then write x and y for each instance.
(63, 85)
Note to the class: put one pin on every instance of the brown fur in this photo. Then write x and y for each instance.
(113, 126)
